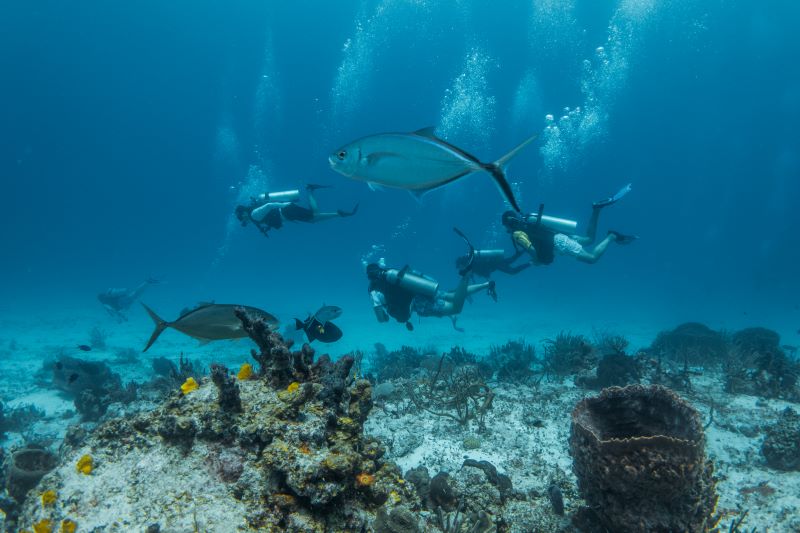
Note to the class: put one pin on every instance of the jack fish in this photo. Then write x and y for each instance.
(209, 322)
(417, 161)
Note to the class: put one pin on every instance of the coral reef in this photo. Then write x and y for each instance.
(781, 445)
(613, 370)
(693, 343)
(228, 400)
(92, 385)
(459, 393)
(639, 457)
(293, 458)
(759, 366)
(513, 361)
(385, 365)
(568, 354)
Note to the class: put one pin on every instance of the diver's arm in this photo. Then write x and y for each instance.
(506, 267)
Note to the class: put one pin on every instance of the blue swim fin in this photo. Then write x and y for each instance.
(613, 199)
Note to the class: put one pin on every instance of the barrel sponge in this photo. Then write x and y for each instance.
(639, 457)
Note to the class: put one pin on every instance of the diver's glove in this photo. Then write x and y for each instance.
(521, 239)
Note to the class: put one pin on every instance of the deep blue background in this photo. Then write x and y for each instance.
(111, 171)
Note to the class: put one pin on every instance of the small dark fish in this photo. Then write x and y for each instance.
(556, 499)
(317, 331)
(85, 347)
(209, 322)
(72, 378)
(319, 326)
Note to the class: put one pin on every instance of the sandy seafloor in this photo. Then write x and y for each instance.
(531, 456)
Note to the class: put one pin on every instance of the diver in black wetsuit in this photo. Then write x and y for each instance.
(543, 237)
(270, 210)
(484, 262)
(396, 293)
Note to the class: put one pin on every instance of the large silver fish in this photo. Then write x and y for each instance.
(209, 322)
(417, 161)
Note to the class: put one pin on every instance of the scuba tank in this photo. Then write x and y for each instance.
(488, 255)
(281, 196)
(561, 225)
(412, 282)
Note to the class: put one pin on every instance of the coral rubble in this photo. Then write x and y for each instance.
(639, 457)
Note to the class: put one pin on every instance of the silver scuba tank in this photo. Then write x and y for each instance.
(412, 282)
(488, 255)
(561, 225)
(280, 196)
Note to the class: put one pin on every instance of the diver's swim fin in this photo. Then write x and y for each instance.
(343, 213)
(621, 238)
(613, 199)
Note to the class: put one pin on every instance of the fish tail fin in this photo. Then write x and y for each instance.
(498, 172)
(298, 324)
(161, 325)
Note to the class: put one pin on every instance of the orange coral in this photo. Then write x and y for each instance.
(245, 372)
(364, 479)
(305, 449)
(293, 386)
(85, 465)
(68, 526)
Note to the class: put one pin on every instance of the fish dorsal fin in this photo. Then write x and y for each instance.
(429, 132)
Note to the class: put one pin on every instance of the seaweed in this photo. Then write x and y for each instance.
(513, 361)
(386, 365)
(568, 354)
(460, 394)
(692, 342)
(759, 366)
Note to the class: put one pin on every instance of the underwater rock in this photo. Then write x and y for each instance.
(501, 481)
(421, 479)
(639, 456)
(781, 446)
(695, 343)
(27, 467)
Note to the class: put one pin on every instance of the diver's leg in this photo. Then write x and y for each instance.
(593, 256)
(591, 228)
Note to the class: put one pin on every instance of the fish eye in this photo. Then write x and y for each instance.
(341, 155)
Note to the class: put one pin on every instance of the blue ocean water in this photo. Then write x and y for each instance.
(130, 131)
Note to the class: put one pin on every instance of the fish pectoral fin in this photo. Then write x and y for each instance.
(429, 132)
(417, 194)
(375, 186)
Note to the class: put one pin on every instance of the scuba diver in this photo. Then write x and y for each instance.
(115, 301)
(485, 262)
(269, 211)
(543, 236)
(397, 293)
